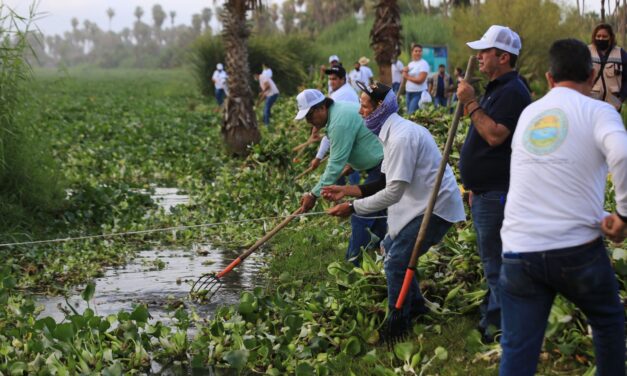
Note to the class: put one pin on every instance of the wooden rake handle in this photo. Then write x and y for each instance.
(472, 63)
(309, 169)
(259, 243)
(400, 88)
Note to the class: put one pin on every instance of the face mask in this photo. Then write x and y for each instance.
(602, 44)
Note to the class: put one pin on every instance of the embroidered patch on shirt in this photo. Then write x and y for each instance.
(546, 132)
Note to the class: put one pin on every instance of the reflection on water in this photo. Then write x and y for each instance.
(168, 198)
(162, 278)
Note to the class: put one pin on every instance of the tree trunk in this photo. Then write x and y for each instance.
(239, 126)
(385, 37)
(603, 11)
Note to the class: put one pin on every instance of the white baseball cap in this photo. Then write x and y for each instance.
(500, 37)
(307, 99)
(220, 66)
(333, 58)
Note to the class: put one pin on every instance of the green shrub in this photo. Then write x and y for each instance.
(28, 180)
(288, 56)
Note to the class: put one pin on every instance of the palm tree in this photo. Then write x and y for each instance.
(385, 37)
(139, 12)
(172, 17)
(206, 15)
(239, 126)
(110, 14)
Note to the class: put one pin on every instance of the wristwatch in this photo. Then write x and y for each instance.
(350, 205)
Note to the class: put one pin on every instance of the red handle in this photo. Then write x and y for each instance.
(233, 264)
(409, 277)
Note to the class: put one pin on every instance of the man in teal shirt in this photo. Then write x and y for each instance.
(351, 143)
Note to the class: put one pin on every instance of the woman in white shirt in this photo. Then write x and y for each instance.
(415, 74)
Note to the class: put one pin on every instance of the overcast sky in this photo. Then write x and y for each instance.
(55, 15)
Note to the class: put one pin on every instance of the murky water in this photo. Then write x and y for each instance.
(168, 198)
(161, 279)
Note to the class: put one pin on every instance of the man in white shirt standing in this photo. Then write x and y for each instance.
(415, 74)
(355, 75)
(562, 149)
(366, 72)
(270, 92)
(397, 75)
(219, 82)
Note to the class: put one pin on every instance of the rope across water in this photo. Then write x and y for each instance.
(163, 229)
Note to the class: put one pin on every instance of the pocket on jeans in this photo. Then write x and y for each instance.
(515, 279)
(595, 274)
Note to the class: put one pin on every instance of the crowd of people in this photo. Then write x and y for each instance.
(536, 173)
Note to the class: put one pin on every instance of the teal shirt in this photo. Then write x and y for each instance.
(351, 142)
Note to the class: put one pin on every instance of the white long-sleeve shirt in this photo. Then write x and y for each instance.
(411, 159)
(562, 149)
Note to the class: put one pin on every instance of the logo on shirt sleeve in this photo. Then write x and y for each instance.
(546, 132)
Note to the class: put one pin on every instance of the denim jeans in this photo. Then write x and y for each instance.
(360, 238)
(397, 254)
(487, 215)
(266, 110)
(413, 97)
(353, 179)
(220, 94)
(396, 86)
(583, 275)
(440, 101)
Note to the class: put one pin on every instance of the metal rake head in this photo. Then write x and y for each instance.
(205, 287)
(396, 328)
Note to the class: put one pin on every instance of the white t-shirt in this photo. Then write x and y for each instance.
(366, 74)
(353, 77)
(344, 94)
(273, 89)
(219, 79)
(415, 68)
(397, 69)
(561, 150)
(411, 155)
(267, 72)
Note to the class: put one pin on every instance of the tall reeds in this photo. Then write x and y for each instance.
(28, 177)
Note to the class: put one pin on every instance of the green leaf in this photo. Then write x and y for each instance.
(17, 368)
(352, 346)
(404, 350)
(441, 353)
(140, 314)
(236, 358)
(89, 291)
(64, 332)
(304, 369)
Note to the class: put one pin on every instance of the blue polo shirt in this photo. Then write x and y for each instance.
(483, 167)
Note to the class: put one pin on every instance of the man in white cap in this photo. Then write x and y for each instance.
(219, 82)
(485, 157)
(351, 143)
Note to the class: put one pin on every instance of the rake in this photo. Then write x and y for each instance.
(397, 323)
(208, 284)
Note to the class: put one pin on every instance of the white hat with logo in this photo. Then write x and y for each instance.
(220, 66)
(500, 37)
(307, 99)
(333, 58)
